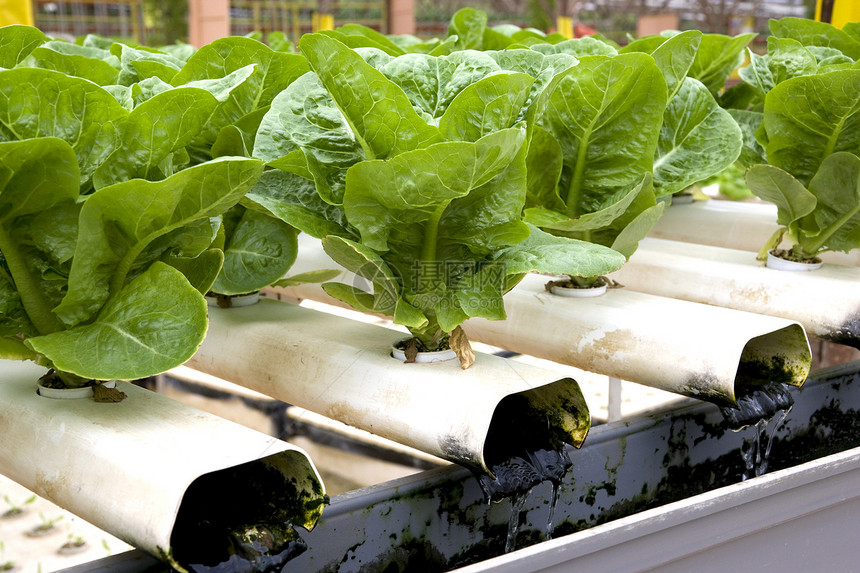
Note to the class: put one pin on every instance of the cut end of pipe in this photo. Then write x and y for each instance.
(781, 357)
(543, 418)
(246, 515)
(847, 334)
(527, 440)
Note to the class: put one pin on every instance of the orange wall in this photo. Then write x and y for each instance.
(208, 20)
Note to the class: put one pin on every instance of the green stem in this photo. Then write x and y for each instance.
(124, 266)
(37, 307)
(584, 282)
(429, 336)
(574, 192)
(71, 380)
(431, 234)
(817, 244)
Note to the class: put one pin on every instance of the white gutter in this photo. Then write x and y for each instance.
(742, 225)
(691, 349)
(826, 301)
(342, 369)
(132, 468)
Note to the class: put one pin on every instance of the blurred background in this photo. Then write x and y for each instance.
(159, 22)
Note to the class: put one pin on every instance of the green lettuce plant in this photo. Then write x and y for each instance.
(258, 248)
(800, 116)
(615, 134)
(795, 48)
(823, 215)
(414, 176)
(809, 135)
(110, 224)
(87, 286)
(171, 109)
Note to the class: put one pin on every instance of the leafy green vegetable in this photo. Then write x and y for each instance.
(812, 33)
(16, 43)
(413, 171)
(304, 119)
(115, 220)
(379, 114)
(717, 57)
(674, 55)
(81, 287)
(785, 59)
(431, 83)
(153, 131)
(94, 64)
(587, 110)
(258, 250)
(697, 139)
(540, 67)
(808, 118)
(120, 222)
(799, 110)
(825, 216)
(469, 26)
(584, 184)
(749, 122)
(137, 64)
(577, 47)
(357, 36)
(43, 103)
(294, 199)
(37, 175)
(264, 74)
(152, 324)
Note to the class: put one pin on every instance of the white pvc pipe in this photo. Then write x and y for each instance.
(129, 467)
(343, 369)
(826, 301)
(691, 349)
(741, 225)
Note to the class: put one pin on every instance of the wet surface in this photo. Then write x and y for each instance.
(237, 520)
(444, 521)
(758, 403)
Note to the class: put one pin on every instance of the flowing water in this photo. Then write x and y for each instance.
(550, 524)
(763, 408)
(756, 450)
(515, 478)
(518, 502)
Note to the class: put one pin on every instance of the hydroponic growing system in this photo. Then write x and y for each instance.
(498, 185)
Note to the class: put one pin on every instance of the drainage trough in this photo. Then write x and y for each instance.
(661, 491)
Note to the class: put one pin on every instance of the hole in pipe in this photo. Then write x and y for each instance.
(239, 519)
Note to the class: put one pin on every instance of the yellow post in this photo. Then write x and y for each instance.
(255, 11)
(843, 11)
(564, 26)
(16, 12)
(136, 10)
(322, 22)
